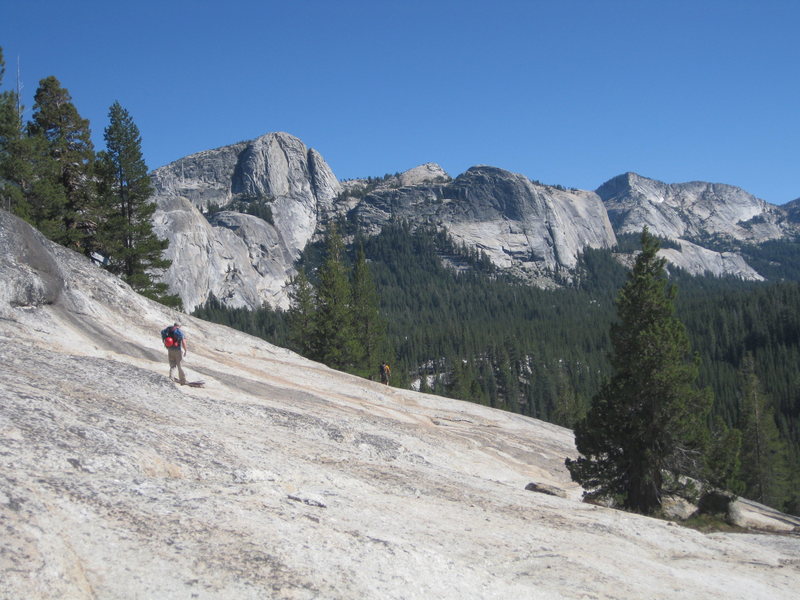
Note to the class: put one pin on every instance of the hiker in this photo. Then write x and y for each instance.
(385, 373)
(175, 342)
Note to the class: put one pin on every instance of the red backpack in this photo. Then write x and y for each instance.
(171, 337)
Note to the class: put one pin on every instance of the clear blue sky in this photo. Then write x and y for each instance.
(569, 92)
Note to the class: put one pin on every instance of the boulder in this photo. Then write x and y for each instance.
(716, 502)
(677, 508)
(752, 515)
(543, 488)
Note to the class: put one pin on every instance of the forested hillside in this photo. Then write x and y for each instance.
(457, 327)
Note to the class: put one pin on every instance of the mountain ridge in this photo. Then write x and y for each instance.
(529, 229)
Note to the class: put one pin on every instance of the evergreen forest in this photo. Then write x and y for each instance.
(457, 327)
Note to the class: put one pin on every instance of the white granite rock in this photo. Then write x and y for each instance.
(427, 173)
(282, 478)
(532, 230)
(524, 227)
(243, 261)
(697, 260)
(691, 211)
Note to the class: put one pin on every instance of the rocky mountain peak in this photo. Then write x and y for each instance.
(427, 173)
(273, 165)
(693, 211)
(792, 210)
(240, 259)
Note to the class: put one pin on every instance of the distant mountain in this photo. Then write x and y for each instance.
(238, 217)
(530, 229)
(792, 210)
(694, 211)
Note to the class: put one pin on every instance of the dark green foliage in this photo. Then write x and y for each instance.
(369, 325)
(62, 195)
(723, 462)
(765, 469)
(730, 321)
(370, 184)
(337, 320)
(260, 206)
(302, 314)
(648, 419)
(775, 259)
(632, 242)
(265, 323)
(490, 339)
(96, 204)
(11, 197)
(125, 235)
(335, 340)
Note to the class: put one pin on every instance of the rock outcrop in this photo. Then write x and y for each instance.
(427, 173)
(244, 261)
(792, 210)
(529, 229)
(282, 478)
(697, 260)
(697, 213)
(692, 211)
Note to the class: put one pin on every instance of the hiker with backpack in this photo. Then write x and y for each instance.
(386, 372)
(175, 343)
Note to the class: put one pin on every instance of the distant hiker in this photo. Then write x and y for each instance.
(386, 372)
(175, 342)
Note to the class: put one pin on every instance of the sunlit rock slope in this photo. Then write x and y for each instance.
(284, 479)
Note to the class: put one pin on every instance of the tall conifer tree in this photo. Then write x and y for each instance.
(126, 238)
(28, 175)
(64, 185)
(302, 314)
(723, 464)
(335, 341)
(10, 133)
(649, 418)
(764, 455)
(370, 328)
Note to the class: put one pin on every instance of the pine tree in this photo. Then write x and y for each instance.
(10, 133)
(370, 328)
(764, 455)
(335, 342)
(459, 382)
(27, 173)
(302, 314)
(723, 463)
(649, 418)
(126, 236)
(567, 410)
(64, 189)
